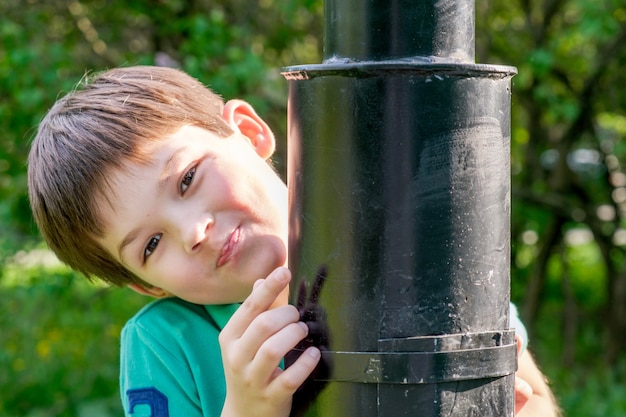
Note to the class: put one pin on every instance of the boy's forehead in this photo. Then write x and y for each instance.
(154, 156)
(146, 153)
(128, 173)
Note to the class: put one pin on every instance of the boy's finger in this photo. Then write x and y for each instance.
(268, 354)
(291, 378)
(260, 300)
(269, 333)
(523, 392)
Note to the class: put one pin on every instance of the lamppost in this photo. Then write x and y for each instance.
(399, 180)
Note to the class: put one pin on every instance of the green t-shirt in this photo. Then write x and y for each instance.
(170, 360)
(171, 363)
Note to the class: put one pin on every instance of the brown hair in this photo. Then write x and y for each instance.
(94, 130)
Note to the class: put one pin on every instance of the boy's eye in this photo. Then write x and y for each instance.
(187, 180)
(151, 246)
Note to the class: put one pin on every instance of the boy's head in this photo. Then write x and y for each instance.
(96, 132)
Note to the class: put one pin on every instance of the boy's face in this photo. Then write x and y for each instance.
(204, 221)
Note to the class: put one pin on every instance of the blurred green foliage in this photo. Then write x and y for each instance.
(60, 340)
(59, 335)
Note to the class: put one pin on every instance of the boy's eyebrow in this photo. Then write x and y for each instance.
(168, 168)
(132, 235)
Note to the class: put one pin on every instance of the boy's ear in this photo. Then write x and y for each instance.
(155, 292)
(241, 116)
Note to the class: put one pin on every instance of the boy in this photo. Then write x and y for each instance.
(146, 179)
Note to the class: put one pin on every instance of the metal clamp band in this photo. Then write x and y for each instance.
(427, 367)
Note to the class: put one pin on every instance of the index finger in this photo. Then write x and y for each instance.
(260, 300)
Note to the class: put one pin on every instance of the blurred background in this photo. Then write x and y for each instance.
(59, 335)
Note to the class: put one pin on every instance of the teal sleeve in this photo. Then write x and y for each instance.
(519, 327)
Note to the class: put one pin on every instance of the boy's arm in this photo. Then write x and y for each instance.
(253, 344)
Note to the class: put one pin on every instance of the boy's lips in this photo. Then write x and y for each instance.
(229, 248)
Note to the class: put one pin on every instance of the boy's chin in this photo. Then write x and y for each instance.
(264, 261)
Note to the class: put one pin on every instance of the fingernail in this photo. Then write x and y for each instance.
(303, 326)
(281, 274)
(313, 352)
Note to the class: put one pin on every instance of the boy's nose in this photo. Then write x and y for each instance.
(196, 232)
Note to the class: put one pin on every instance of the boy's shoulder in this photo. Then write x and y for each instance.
(174, 313)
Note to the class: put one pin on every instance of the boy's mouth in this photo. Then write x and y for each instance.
(229, 248)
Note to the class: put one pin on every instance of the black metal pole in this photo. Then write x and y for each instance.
(398, 170)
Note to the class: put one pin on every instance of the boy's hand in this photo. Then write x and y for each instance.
(523, 393)
(533, 397)
(253, 344)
